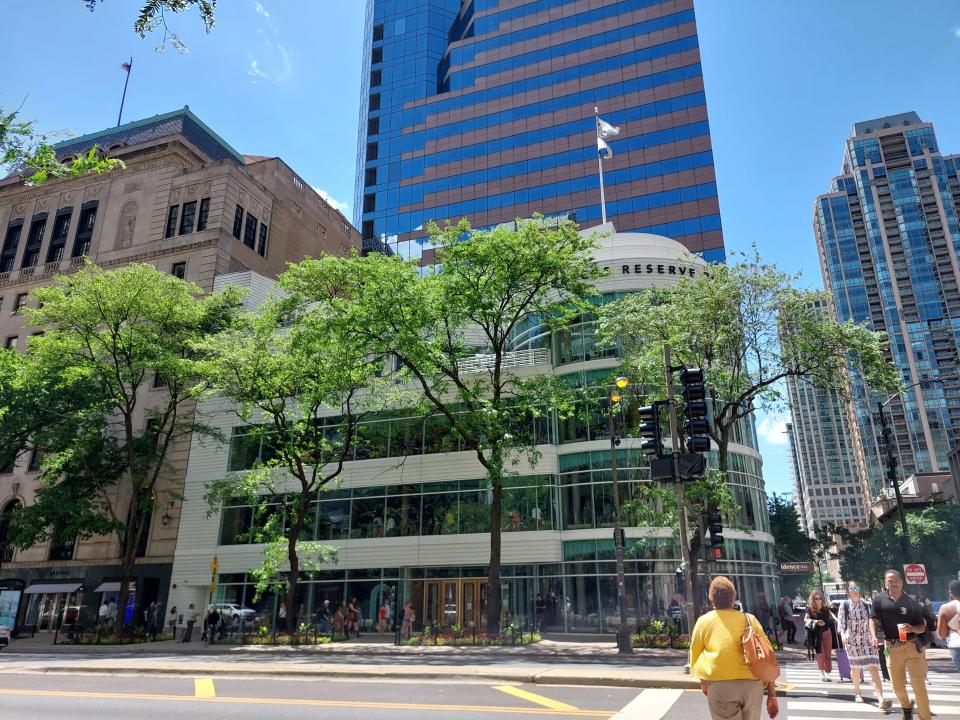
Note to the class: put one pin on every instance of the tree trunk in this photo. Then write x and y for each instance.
(493, 573)
(292, 579)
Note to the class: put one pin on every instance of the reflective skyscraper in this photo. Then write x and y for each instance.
(485, 109)
(889, 244)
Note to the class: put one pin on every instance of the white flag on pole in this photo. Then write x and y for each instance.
(603, 149)
(605, 129)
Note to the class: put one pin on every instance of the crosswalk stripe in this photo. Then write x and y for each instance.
(847, 706)
(650, 704)
(203, 688)
(533, 697)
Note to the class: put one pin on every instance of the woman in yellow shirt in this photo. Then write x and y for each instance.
(716, 659)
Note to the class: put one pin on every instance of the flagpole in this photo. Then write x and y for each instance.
(124, 97)
(603, 201)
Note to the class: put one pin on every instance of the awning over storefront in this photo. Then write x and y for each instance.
(52, 588)
(113, 586)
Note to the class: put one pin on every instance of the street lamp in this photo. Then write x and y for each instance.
(624, 646)
(892, 460)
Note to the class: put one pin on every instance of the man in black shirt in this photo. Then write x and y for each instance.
(893, 610)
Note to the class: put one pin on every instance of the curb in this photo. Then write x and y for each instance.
(541, 677)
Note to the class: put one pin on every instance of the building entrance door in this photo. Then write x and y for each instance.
(455, 602)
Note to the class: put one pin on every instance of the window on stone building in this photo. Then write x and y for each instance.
(19, 303)
(31, 254)
(203, 214)
(179, 269)
(171, 229)
(58, 240)
(238, 221)
(11, 342)
(262, 245)
(88, 219)
(250, 231)
(187, 216)
(10, 244)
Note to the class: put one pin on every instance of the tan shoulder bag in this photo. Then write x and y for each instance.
(758, 654)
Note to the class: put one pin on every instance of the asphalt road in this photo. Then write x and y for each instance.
(78, 697)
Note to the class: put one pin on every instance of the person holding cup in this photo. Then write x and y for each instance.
(903, 623)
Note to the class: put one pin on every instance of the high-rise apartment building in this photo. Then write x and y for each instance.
(190, 204)
(485, 109)
(889, 243)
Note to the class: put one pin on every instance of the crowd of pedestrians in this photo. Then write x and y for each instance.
(883, 638)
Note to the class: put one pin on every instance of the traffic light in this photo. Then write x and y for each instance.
(716, 553)
(695, 424)
(715, 528)
(650, 434)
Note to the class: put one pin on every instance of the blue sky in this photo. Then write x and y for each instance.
(785, 82)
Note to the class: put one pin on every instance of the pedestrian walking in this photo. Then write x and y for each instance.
(353, 617)
(213, 622)
(764, 613)
(325, 620)
(382, 618)
(172, 621)
(104, 613)
(151, 617)
(904, 623)
(406, 626)
(338, 620)
(112, 611)
(785, 613)
(192, 616)
(821, 625)
(539, 608)
(717, 659)
(948, 623)
(860, 641)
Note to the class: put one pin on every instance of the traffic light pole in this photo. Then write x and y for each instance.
(624, 646)
(891, 473)
(678, 491)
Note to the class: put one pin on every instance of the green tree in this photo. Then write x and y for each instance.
(452, 333)
(748, 327)
(111, 336)
(30, 154)
(287, 370)
(153, 16)
(791, 541)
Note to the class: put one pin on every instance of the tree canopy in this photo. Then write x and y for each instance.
(301, 386)
(153, 16)
(453, 331)
(109, 337)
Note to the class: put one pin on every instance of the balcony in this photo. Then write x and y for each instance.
(519, 358)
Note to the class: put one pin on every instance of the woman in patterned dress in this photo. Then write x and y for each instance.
(860, 641)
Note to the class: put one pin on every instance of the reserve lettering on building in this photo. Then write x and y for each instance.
(655, 269)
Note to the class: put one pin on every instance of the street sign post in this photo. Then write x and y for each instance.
(915, 574)
(797, 568)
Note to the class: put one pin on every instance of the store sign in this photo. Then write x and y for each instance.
(796, 568)
(647, 268)
(58, 572)
(915, 574)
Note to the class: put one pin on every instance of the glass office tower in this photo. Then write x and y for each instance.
(889, 244)
(485, 109)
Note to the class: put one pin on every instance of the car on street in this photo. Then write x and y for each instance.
(235, 612)
(5, 636)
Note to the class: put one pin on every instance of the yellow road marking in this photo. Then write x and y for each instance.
(203, 688)
(534, 698)
(308, 703)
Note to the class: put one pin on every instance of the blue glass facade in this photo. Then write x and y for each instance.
(889, 244)
(484, 109)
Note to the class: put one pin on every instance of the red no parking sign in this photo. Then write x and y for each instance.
(915, 574)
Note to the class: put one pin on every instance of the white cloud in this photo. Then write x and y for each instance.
(339, 205)
(273, 64)
(956, 31)
(772, 429)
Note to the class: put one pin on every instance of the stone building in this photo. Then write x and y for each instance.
(193, 206)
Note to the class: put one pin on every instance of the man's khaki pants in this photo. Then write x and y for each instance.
(906, 659)
(735, 699)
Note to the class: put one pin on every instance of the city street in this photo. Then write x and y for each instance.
(174, 687)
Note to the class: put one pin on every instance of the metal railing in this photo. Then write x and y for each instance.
(517, 358)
